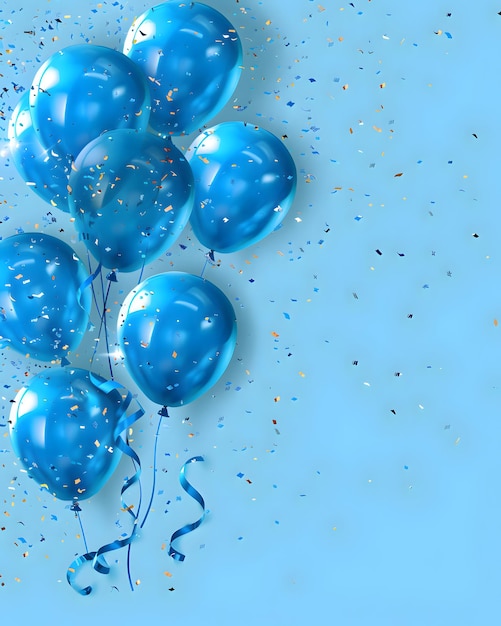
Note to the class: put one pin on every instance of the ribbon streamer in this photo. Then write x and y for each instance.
(97, 557)
(191, 491)
(87, 282)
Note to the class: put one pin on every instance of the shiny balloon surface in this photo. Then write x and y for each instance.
(177, 333)
(62, 430)
(45, 170)
(82, 91)
(131, 195)
(44, 311)
(191, 56)
(245, 181)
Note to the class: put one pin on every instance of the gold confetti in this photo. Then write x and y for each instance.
(174, 354)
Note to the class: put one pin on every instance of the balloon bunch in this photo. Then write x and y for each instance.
(93, 137)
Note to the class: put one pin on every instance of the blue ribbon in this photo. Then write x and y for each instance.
(97, 557)
(191, 491)
(87, 282)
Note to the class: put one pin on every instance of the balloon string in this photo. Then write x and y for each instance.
(163, 413)
(105, 302)
(141, 272)
(129, 547)
(82, 529)
(191, 491)
(203, 268)
(102, 323)
(209, 256)
(94, 275)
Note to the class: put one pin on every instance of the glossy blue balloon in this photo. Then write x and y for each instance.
(245, 181)
(177, 333)
(191, 56)
(45, 170)
(62, 429)
(131, 196)
(44, 311)
(84, 90)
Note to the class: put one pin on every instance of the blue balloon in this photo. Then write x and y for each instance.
(44, 311)
(62, 428)
(84, 90)
(191, 56)
(177, 333)
(45, 170)
(245, 181)
(131, 195)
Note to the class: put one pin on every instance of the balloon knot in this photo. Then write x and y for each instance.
(163, 412)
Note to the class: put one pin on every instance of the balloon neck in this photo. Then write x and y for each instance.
(164, 412)
(75, 507)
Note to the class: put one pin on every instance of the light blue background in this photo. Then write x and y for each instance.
(374, 499)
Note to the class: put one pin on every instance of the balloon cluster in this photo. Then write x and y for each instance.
(93, 137)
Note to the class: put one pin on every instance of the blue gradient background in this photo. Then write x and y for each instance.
(374, 499)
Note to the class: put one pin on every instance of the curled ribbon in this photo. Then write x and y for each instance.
(97, 557)
(87, 282)
(191, 491)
